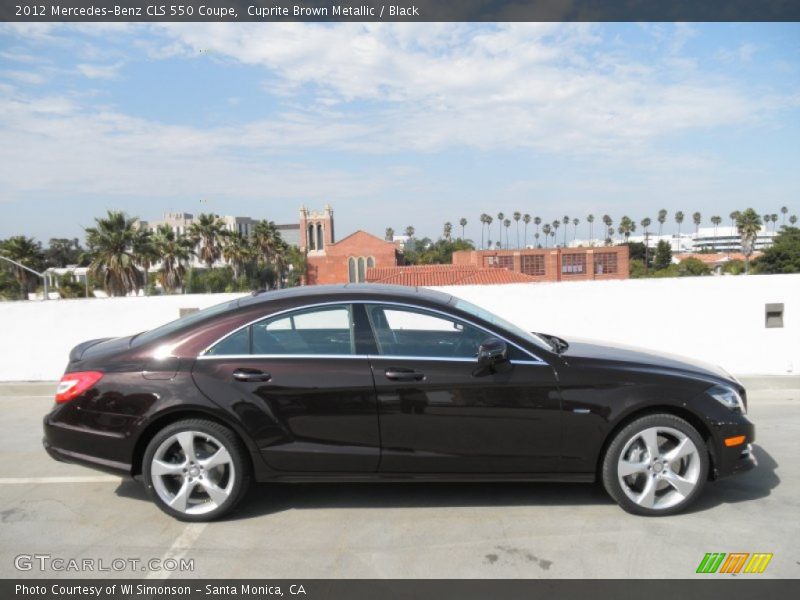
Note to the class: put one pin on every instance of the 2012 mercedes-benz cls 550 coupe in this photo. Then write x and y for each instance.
(367, 382)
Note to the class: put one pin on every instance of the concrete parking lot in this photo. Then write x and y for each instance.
(398, 530)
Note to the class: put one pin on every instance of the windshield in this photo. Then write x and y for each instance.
(477, 311)
(195, 317)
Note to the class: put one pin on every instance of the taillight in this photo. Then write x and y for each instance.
(73, 385)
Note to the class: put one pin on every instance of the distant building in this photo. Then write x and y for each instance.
(553, 264)
(721, 239)
(181, 222)
(345, 261)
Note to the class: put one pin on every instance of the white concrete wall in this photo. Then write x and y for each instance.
(715, 319)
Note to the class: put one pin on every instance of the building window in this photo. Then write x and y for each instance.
(311, 241)
(370, 262)
(351, 270)
(362, 269)
(499, 262)
(533, 264)
(605, 263)
(320, 241)
(573, 264)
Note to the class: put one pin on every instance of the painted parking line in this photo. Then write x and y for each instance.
(182, 544)
(75, 479)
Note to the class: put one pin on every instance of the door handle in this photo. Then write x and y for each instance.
(251, 375)
(404, 375)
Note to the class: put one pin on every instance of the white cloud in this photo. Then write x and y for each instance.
(99, 71)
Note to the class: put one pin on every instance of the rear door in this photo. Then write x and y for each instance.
(438, 416)
(298, 386)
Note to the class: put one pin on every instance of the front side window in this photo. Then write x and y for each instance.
(401, 331)
(325, 330)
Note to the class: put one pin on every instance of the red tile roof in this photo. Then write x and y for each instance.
(432, 275)
(717, 258)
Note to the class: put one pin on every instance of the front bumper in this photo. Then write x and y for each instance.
(736, 459)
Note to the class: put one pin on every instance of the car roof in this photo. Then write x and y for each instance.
(348, 290)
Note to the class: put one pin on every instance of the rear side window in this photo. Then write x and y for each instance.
(314, 331)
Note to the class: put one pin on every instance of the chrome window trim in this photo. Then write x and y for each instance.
(204, 356)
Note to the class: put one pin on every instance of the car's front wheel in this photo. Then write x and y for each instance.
(196, 470)
(656, 465)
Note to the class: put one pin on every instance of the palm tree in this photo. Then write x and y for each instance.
(556, 225)
(679, 220)
(266, 243)
(500, 217)
(410, 232)
(463, 223)
(566, 222)
(536, 237)
(111, 252)
(610, 238)
(174, 251)
(546, 231)
(506, 224)
(766, 221)
(447, 230)
(734, 216)
(526, 219)
(774, 218)
(697, 218)
(517, 217)
(145, 253)
(715, 221)
(537, 221)
(626, 227)
(590, 220)
(389, 234)
(784, 210)
(793, 220)
(489, 220)
(662, 218)
(748, 224)
(26, 251)
(208, 231)
(575, 222)
(237, 252)
(608, 222)
(645, 223)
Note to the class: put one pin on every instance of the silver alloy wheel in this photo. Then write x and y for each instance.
(658, 467)
(192, 472)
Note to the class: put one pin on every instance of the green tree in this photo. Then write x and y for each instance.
(506, 224)
(500, 218)
(590, 220)
(174, 251)
(389, 234)
(525, 219)
(517, 216)
(554, 231)
(546, 231)
(111, 253)
(463, 223)
(575, 222)
(793, 220)
(663, 258)
(784, 210)
(626, 227)
(748, 224)
(144, 252)
(565, 220)
(62, 252)
(28, 252)
(783, 256)
(715, 221)
(410, 232)
(692, 267)
(208, 231)
(447, 230)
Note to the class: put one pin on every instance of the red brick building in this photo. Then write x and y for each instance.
(344, 261)
(553, 264)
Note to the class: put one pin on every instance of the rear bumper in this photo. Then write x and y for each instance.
(70, 444)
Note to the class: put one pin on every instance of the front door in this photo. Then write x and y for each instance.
(438, 416)
(299, 388)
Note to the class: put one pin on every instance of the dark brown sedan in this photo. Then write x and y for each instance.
(367, 382)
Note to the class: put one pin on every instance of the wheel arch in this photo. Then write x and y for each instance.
(678, 411)
(179, 414)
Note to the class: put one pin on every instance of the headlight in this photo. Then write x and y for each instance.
(727, 396)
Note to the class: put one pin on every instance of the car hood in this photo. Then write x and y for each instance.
(629, 355)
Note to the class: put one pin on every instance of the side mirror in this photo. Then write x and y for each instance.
(492, 357)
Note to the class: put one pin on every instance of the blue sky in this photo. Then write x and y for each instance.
(395, 124)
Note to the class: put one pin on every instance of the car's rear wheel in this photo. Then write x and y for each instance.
(196, 470)
(656, 465)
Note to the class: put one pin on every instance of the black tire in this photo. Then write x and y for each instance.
(235, 475)
(699, 469)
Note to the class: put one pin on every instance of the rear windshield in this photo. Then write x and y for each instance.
(172, 326)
